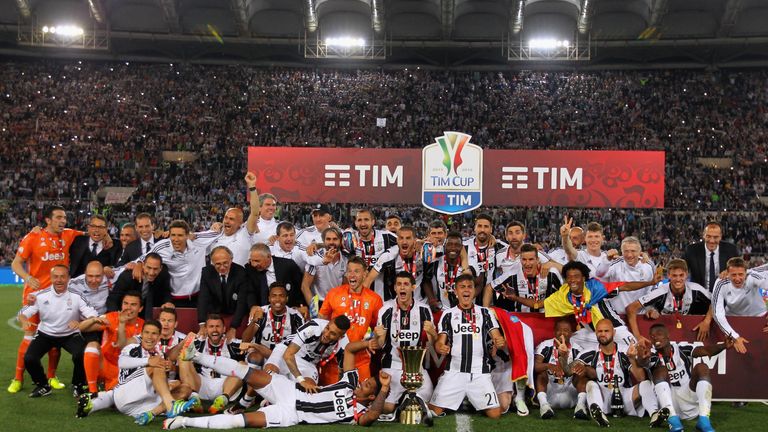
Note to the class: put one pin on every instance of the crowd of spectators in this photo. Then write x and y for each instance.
(67, 128)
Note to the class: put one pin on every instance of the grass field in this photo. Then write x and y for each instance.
(55, 413)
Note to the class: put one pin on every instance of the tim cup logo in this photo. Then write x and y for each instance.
(452, 174)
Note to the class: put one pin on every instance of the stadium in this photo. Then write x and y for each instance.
(259, 127)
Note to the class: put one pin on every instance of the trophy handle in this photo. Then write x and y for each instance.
(426, 417)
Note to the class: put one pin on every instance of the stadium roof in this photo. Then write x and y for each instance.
(442, 33)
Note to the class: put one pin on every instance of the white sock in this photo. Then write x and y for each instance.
(581, 400)
(104, 400)
(219, 421)
(664, 394)
(648, 397)
(704, 395)
(542, 397)
(222, 365)
(246, 401)
(520, 393)
(594, 394)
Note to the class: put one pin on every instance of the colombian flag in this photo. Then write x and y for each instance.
(585, 309)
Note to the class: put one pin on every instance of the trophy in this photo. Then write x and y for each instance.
(413, 410)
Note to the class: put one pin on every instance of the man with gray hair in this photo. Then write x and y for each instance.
(223, 290)
(630, 267)
(263, 269)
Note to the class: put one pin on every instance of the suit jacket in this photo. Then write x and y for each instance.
(287, 272)
(80, 255)
(230, 301)
(159, 292)
(696, 256)
(133, 251)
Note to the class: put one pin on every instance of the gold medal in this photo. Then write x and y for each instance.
(679, 324)
(475, 336)
(610, 386)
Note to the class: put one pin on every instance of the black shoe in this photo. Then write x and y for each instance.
(738, 404)
(41, 390)
(78, 391)
(599, 416)
(659, 418)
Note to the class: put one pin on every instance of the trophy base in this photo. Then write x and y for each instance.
(413, 410)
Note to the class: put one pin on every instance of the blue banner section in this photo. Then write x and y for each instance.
(8, 277)
(452, 202)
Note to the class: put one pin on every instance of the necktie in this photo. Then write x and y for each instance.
(95, 249)
(149, 246)
(712, 272)
(223, 282)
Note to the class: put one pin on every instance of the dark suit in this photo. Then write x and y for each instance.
(80, 255)
(696, 255)
(287, 272)
(159, 291)
(133, 251)
(232, 300)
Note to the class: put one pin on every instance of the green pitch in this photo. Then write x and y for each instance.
(56, 413)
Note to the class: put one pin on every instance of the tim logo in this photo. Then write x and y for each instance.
(452, 174)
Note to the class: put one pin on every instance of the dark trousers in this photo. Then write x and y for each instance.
(42, 343)
(185, 302)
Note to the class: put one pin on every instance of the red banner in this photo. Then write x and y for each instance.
(617, 179)
(734, 376)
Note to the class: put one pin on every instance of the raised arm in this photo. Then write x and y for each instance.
(253, 217)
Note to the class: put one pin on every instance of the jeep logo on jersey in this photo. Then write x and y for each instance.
(452, 174)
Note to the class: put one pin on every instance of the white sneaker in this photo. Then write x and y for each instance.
(177, 422)
(546, 412)
(522, 408)
(387, 417)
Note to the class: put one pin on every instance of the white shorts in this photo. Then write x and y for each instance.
(626, 396)
(502, 377)
(561, 396)
(396, 389)
(281, 394)
(307, 369)
(685, 401)
(453, 386)
(586, 339)
(210, 388)
(136, 396)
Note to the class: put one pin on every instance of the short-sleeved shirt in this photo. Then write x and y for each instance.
(362, 309)
(109, 347)
(43, 250)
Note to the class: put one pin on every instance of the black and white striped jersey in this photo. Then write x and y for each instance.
(312, 350)
(602, 364)
(334, 403)
(274, 329)
(404, 328)
(678, 365)
(469, 336)
(227, 350)
(694, 301)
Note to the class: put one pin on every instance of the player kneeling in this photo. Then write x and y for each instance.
(691, 392)
(143, 390)
(466, 333)
(347, 401)
(610, 372)
(554, 387)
